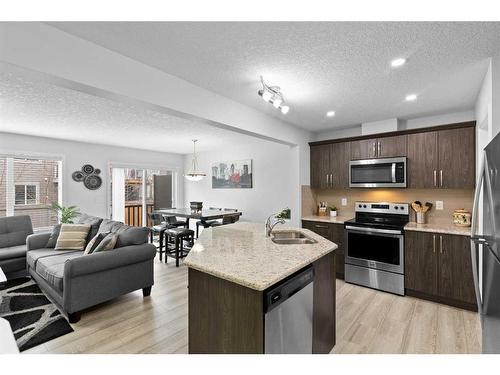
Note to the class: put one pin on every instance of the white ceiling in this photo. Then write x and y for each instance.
(35, 107)
(341, 66)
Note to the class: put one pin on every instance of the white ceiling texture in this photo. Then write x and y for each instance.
(35, 107)
(340, 66)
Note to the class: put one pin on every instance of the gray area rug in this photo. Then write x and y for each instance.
(32, 317)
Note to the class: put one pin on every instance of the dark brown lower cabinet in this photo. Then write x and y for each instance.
(438, 267)
(228, 318)
(335, 233)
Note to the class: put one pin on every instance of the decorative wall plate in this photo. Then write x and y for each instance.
(92, 182)
(88, 169)
(78, 176)
(89, 176)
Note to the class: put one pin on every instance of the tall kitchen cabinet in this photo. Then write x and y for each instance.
(438, 267)
(330, 165)
(442, 159)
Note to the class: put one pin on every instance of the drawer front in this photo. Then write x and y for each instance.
(323, 229)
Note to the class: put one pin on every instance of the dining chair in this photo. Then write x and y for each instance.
(159, 226)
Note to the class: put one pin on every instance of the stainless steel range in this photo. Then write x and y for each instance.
(375, 246)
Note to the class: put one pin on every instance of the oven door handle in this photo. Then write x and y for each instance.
(372, 230)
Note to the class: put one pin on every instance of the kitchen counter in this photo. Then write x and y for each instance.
(328, 219)
(242, 254)
(444, 228)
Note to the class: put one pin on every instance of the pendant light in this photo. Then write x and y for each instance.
(194, 174)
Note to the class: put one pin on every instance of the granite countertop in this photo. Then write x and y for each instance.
(328, 219)
(241, 253)
(444, 228)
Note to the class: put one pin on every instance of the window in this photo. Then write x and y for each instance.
(29, 186)
(26, 194)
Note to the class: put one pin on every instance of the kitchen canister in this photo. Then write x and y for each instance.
(462, 218)
(420, 217)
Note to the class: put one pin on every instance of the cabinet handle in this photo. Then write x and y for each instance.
(434, 243)
(379, 151)
(441, 244)
(374, 150)
(321, 226)
(326, 180)
(435, 178)
(441, 177)
(331, 179)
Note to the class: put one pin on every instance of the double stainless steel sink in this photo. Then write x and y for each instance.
(291, 237)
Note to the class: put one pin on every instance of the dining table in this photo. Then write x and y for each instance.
(202, 215)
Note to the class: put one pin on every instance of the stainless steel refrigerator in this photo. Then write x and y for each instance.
(485, 247)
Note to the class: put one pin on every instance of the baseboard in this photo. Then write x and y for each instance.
(443, 300)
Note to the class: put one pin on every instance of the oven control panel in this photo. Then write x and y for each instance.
(383, 207)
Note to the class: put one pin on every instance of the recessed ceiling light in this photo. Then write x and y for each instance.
(398, 62)
(330, 113)
(411, 97)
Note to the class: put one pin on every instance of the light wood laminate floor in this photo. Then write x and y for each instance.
(368, 321)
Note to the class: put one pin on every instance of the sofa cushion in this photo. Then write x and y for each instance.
(33, 255)
(13, 252)
(14, 230)
(51, 243)
(128, 235)
(94, 222)
(51, 268)
(108, 225)
(72, 236)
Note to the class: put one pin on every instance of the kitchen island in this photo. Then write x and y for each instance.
(230, 269)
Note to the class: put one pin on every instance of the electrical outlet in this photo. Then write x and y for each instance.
(344, 201)
(439, 205)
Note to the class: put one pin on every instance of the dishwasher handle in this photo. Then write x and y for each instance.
(279, 293)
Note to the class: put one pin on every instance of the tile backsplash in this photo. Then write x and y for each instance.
(452, 199)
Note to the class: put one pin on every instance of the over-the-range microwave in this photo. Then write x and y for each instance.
(372, 173)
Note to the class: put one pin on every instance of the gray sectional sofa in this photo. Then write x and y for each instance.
(13, 233)
(75, 281)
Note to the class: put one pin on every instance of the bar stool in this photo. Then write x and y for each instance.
(207, 224)
(175, 243)
(159, 227)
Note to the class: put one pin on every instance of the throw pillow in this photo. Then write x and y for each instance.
(94, 221)
(72, 236)
(51, 243)
(94, 242)
(107, 243)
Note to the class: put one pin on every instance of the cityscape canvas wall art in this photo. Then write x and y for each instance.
(232, 175)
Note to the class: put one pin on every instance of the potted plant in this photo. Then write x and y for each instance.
(66, 214)
(333, 211)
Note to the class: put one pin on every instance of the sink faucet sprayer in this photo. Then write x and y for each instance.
(270, 226)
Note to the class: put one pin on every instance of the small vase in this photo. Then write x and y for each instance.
(333, 213)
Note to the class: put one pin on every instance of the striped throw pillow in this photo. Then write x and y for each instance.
(72, 237)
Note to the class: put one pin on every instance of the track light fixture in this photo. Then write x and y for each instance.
(273, 95)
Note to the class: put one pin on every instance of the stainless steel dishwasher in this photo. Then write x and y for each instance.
(288, 319)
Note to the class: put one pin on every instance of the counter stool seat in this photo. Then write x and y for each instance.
(205, 224)
(175, 247)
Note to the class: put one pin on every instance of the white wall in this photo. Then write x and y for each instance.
(274, 181)
(75, 154)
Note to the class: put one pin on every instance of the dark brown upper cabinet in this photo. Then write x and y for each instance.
(330, 166)
(438, 157)
(320, 166)
(457, 158)
(442, 159)
(384, 147)
(389, 147)
(423, 160)
(363, 149)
